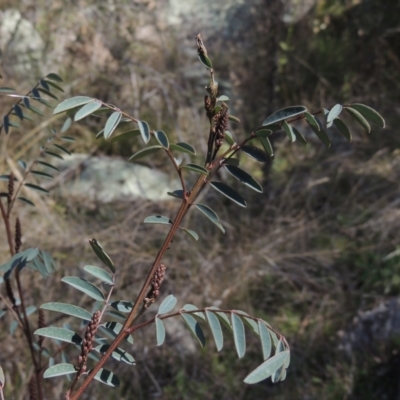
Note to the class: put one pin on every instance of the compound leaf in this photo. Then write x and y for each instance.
(72, 103)
(160, 332)
(216, 329)
(267, 368)
(145, 152)
(359, 118)
(84, 286)
(195, 328)
(111, 124)
(122, 306)
(62, 334)
(101, 254)
(157, 219)
(239, 335)
(118, 354)
(87, 109)
(265, 338)
(255, 153)
(229, 193)
(144, 131)
(333, 113)
(343, 129)
(289, 131)
(162, 139)
(369, 113)
(99, 273)
(167, 305)
(244, 177)
(196, 168)
(59, 370)
(183, 147)
(284, 113)
(107, 377)
(68, 309)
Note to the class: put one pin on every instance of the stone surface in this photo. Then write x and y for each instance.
(21, 45)
(107, 179)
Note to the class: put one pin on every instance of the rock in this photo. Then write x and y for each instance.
(20, 44)
(107, 179)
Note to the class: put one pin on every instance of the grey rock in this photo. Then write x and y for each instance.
(107, 179)
(21, 45)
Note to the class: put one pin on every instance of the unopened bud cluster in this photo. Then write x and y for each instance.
(41, 324)
(156, 283)
(18, 236)
(10, 189)
(87, 343)
(221, 123)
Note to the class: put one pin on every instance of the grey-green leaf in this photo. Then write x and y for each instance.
(191, 307)
(267, 145)
(267, 368)
(299, 136)
(36, 187)
(2, 378)
(311, 120)
(229, 138)
(68, 309)
(229, 193)
(118, 354)
(183, 147)
(195, 168)
(48, 165)
(101, 254)
(27, 201)
(122, 306)
(87, 109)
(343, 129)
(369, 113)
(126, 135)
(99, 273)
(191, 233)
(114, 328)
(107, 378)
(72, 103)
(320, 133)
(178, 194)
(145, 152)
(239, 335)
(210, 214)
(157, 219)
(162, 139)
(244, 177)
(111, 124)
(195, 328)
(289, 131)
(255, 152)
(40, 173)
(359, 118)
(59, 370)
(84, 286)
(144, 130)
(285, 113)
(167, 305)
(62, 334)
(160, 332)
(333, 113)
(216, 329)
(265, 338)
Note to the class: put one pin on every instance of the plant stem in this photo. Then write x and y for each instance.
(8, 228)
(185, 205)
(28, 334)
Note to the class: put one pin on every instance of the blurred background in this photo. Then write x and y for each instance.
(314, 255)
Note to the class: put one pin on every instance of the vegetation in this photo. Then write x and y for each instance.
(299, 177)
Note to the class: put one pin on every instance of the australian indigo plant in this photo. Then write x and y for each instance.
(222, 151)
